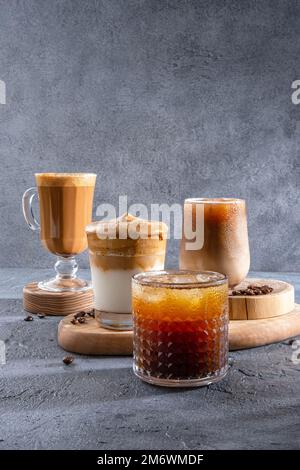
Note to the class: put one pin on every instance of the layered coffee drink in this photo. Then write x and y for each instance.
(66, 201)
(118, 249)
(225, 238)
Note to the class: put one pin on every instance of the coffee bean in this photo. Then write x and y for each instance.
(257, 291)
(68, 360)
(28, 318)
(249, 292)
(237, 292)
(79, 315)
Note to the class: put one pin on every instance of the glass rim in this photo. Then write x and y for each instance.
(147, 278)
(65, 174)
(214, 200)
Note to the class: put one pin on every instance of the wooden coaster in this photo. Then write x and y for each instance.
(37, 300)
(279, 302)
(89, 338)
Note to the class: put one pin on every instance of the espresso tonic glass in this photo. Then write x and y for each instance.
(180, 323)
(65, 203)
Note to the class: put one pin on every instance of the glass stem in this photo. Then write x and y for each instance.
(66, 268)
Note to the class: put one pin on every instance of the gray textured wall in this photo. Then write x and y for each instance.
(164, 100)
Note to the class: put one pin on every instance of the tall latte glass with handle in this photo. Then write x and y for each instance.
(65, 203)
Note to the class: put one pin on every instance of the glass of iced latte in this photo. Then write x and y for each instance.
(65, 202)
(222, 223)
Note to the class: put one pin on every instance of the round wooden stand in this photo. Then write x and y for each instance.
(279, 302)
(37, 300)
(245, 334)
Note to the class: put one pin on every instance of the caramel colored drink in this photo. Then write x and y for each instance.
(66, 201)
(180, 327)
(118, 249)
(226, 247)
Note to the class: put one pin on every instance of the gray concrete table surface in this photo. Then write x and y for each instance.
(97, 402)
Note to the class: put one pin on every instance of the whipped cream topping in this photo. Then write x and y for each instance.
(126, 227)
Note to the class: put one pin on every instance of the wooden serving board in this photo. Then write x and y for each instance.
(250, 334)
(90, 338)
(279, 302)
(37, 300)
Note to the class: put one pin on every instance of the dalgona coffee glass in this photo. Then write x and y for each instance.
(65, 202)
(225, 245)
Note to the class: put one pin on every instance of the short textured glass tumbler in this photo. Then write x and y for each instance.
(180, 323)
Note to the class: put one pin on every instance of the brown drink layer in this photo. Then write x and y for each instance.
(226, 246)
(127, 253)
(66, 201)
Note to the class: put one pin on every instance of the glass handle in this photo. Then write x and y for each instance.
(27, 201)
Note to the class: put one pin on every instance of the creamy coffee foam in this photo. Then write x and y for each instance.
(149, 239)
(65, 179)
(127, 227)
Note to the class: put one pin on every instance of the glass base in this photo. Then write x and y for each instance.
(65, 280)
(114, 321)
(65, 285)
(201, 382)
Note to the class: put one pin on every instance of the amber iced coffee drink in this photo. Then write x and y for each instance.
(225, 247)
(65, 201)
(180, 327)
(118, 249)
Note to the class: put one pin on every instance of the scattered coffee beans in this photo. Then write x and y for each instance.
(253, 290)
(81, 317)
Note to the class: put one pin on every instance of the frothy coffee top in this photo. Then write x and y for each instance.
(128, 227)
(127, 236)
(65, 179)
